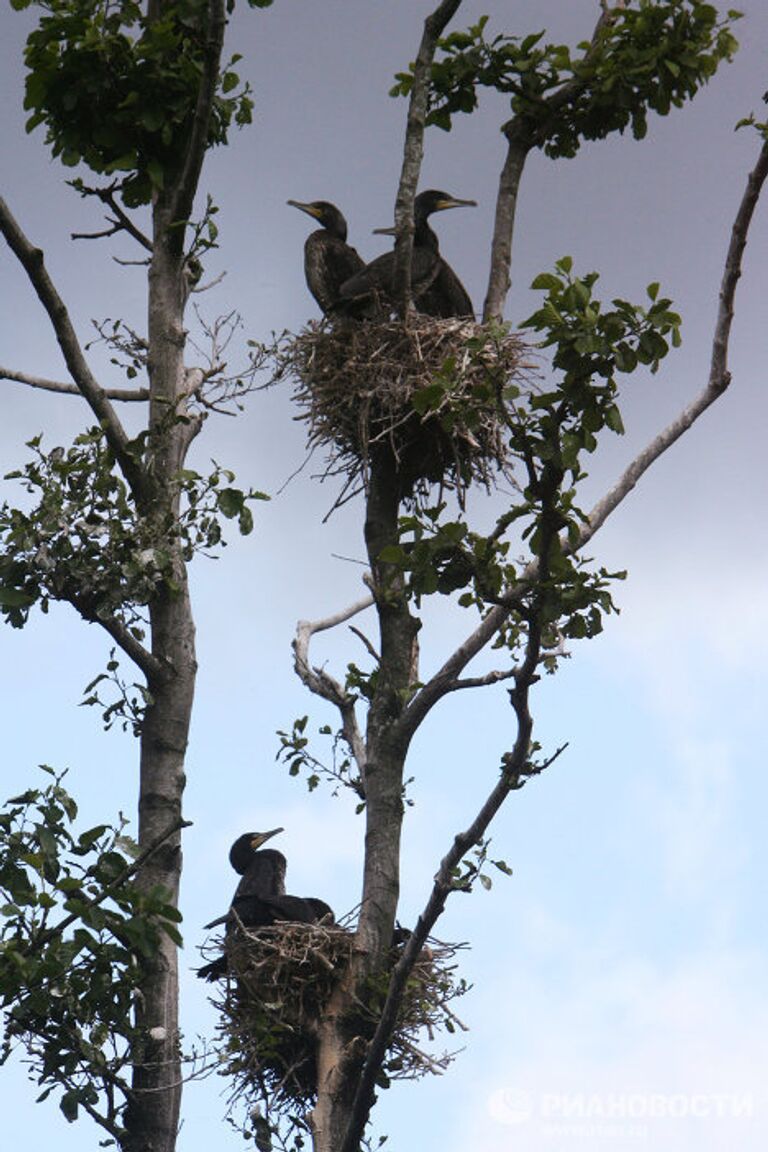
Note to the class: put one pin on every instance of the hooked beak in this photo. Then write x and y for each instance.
(310, 210)
(454, 202)
(260, 838)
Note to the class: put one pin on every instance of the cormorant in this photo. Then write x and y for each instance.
(435, 287)
(260, 898)
(446, 296)
(328, 259)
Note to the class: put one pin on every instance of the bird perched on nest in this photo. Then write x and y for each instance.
(260, 899)
(435, 287)
(328, 259)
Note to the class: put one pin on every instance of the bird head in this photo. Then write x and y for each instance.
(325, 213)
(241, 852)
(426, 203)
(433, 201)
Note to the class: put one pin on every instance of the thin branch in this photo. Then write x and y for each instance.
(152, 668)
(521, 138)
(719, 378)
(413, 150)
(125, 222)
(122, 222)
(366, 643)
(69, 389)
(105, 232)
(31, 259)
(494, 677)
(94, 901)
(321, 683)
(186, 185)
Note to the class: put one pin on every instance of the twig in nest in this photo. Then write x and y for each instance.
(280, 981)
(433, 392)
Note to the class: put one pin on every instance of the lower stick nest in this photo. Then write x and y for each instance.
(281, 979)
(434, 391)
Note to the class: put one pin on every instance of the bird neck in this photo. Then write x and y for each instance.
(424, 237)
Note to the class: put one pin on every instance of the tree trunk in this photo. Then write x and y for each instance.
(338, 1120)
(153, 1115)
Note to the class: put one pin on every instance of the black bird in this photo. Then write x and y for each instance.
(446, 296)
(435, 287)
(260, 900)
(328, 259)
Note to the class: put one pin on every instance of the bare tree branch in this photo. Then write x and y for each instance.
(413, 151)
(445, 679)
(123, 637)
(719, 376)
(32, 261)
(321, 683)
(70, 389)
(122, 222)
(495, 677)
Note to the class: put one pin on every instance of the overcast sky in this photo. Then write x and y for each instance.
(620, 976)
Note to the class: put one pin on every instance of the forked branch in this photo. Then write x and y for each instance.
(321, 683)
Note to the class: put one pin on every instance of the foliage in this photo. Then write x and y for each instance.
(549, 431)
(86, 542)
(72, 933)
(646, 56)
(117, 88)
(339, 772)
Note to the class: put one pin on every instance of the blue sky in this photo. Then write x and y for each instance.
(619, 976)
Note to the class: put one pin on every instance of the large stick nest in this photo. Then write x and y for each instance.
(281, 979)
(433, 391)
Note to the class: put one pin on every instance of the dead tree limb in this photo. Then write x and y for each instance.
(60, 386)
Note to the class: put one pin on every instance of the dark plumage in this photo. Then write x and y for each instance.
(446, 296)
(436, 289)
(260, 899)
(328, 259)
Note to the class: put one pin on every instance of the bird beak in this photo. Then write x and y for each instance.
(260, 838)
(453, 202)
(311, 211)
(441, 206)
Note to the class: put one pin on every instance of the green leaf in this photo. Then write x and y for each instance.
(14, 598)
(69, 1104)
(230, 502)
(548, 282)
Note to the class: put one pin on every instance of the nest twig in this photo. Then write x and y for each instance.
(433, 391)
(280, 981)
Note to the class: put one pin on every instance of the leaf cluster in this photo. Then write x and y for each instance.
(117, 88)
(86, 542)
(550, 429)
(339, 772)
(645, 56)
(73, 933)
